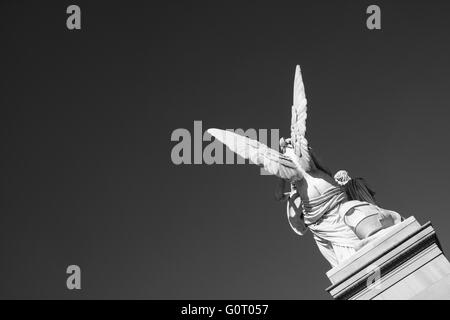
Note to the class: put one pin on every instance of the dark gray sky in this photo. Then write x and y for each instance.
(87, 116)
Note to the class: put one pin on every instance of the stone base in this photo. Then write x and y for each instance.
(403, 262)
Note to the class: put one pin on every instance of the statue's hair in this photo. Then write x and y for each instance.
(358, 189)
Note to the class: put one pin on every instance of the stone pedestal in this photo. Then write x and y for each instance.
(403, 262)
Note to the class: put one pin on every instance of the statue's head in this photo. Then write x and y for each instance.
(285, 144)
(342, 177)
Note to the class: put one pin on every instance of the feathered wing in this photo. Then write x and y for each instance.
(258, 153)
(298, 121)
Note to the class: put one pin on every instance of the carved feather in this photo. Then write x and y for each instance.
(298, 121)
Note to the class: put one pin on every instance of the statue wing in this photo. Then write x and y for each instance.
(258, 153)
(298, 121)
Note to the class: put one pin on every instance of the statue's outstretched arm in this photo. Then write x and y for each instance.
(258, 153)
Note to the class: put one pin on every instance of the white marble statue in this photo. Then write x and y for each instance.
(340, 212)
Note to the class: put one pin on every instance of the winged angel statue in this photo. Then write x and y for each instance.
(340, 212)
